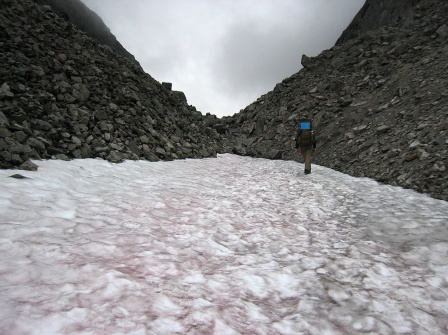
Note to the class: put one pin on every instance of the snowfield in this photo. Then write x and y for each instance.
(231, 245)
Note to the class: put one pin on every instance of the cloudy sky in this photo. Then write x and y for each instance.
(224, 54)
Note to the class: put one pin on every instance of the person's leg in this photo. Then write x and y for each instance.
(307, 157)
(303, 152)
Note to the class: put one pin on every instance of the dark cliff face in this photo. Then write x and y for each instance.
(378, 13)
(88, 21)
(379, 103)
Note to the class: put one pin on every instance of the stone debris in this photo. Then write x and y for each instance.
(63, 95)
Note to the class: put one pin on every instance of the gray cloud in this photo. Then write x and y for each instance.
(224, 54)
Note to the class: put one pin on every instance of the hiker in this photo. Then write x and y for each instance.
(305, 142)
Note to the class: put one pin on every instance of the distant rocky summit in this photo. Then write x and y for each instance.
(379, 103)
(377, 13)
(77, 13)
(379, 97)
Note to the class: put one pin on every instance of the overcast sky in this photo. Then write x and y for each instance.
(224, 54)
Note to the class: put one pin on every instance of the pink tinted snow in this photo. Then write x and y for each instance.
(231, 245)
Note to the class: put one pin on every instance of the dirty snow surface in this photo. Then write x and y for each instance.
(227, 245)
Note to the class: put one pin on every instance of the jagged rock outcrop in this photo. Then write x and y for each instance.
(88, 21)
(379, 101)
(377, 13)
(65, 95)
(178, 94)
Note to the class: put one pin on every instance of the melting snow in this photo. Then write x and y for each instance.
(231, 245)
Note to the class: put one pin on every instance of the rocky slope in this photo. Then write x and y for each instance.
(65, 95)
(379, 101)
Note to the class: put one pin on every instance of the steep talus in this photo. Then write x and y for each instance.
(65, 95)
(380, 105)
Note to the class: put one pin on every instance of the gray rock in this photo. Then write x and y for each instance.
(144, 139)
(134, 148)
(180, 95)
(3, 120)
(28, 166)
(442, 31)
(360, 129)
(349, 136)
(439, 140)
(18, 176)
(414, 144)
(382, 129)
(42, 125)
(101, 115)
(75, 140)
(62, 157)
(81, 93)
(6, 159)
(36, 144)
(160, 152)
(168, 86)
(5, 92)
(4, 132)
(115, 157)
(306, 61)
(20, 136)
(422, 154)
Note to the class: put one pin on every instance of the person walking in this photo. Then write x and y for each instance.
(306, 142)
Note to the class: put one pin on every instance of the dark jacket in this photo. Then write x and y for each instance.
(310, 141)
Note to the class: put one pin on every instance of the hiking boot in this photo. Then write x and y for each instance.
(307, 171)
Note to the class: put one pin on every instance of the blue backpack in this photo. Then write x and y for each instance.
(305, 136)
